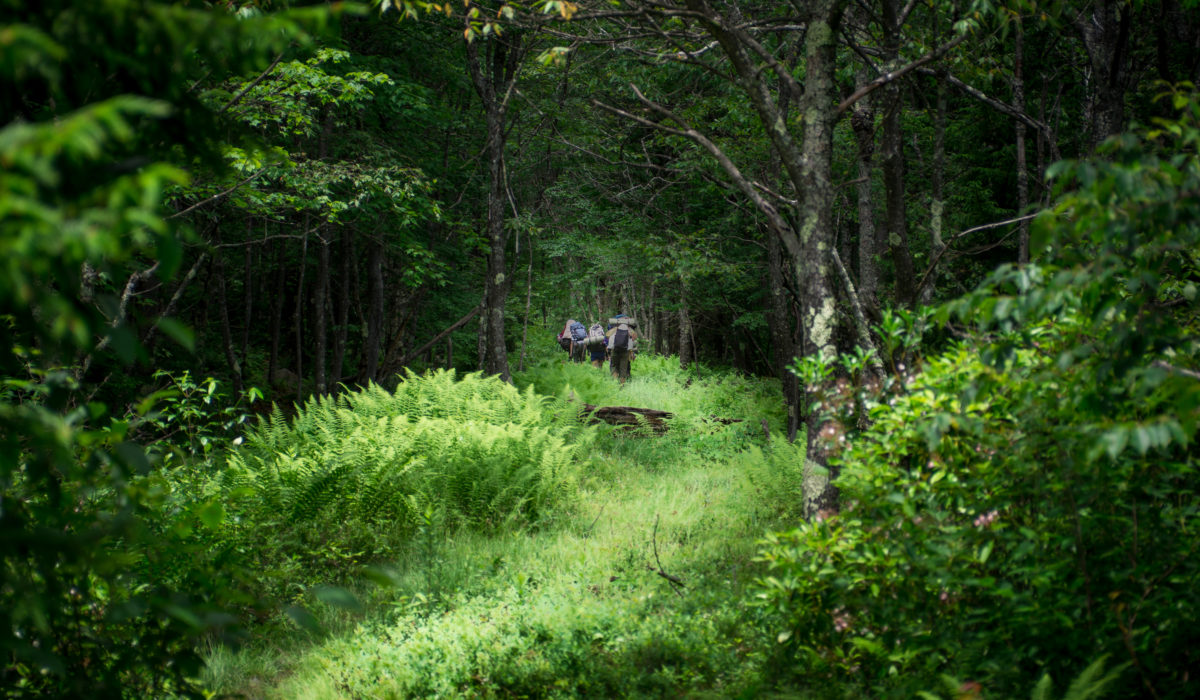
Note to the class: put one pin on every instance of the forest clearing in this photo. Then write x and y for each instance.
(877, 366)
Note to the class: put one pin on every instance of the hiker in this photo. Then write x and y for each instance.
(622, 346)
(573, 339)
(564, 338)
(597, 344)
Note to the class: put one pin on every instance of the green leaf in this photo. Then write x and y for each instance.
(303, 618)
(211, 514)
(178, 332)
(338, 597)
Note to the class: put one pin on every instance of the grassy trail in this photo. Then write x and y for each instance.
(574, 607)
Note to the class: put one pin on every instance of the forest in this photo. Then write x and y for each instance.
(912, 413)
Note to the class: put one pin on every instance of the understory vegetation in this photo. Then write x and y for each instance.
(914, 409)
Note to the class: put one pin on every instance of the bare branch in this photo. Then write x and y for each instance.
(262, 76)
(946, 247)
(219, 195)
(899, 73)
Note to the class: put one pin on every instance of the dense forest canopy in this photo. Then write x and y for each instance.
(956, 240)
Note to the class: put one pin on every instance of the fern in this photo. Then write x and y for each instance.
(474, 449)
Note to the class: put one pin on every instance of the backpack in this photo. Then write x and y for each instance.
(622, 340)
(578, 332)
(595, 337)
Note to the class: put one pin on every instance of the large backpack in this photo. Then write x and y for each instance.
(578, 332)
(623, 339)
(595, 336)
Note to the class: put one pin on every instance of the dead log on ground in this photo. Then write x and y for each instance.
(627, 416)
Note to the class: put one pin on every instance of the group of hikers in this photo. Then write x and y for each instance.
(618, 343)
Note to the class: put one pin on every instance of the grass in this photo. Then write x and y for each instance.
(574, 607)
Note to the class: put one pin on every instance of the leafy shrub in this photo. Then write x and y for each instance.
(1027, 502)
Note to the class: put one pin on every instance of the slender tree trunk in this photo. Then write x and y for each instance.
(862, 121)
(298, 314)
(375, 313)
(781, 336)
(248, 293)
(892, 147)
(685, 337)
(937, 203)
(481, 338)
(1018, 94)
(816, 235)
(342, 321)
(235, 367)
(320, 320)
(494, 83)
(528, 305)
(277, 311)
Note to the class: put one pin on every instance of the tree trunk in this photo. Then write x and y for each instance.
(862, 121)
(342, 321)
(937, 203)
(247, 294)
(892, 147)
(1018, 90)
(298, 315)
(494, 83)
(685, 338)
(528, 304)
(375, 312)
(816, 235)
(235, 367)
(320, 320)
(1105, 33)
(780, 324)
(277, 311)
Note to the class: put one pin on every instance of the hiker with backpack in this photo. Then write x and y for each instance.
(622, 346)
(597, 344)
(573, 339)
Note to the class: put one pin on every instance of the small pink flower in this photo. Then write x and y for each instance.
(986, 519)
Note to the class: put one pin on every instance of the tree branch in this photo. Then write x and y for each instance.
(217, 196)
(253, 83)
(898, 73)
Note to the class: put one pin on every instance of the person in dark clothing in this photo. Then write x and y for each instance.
(572, 341)
(622, 346)
(598, 353)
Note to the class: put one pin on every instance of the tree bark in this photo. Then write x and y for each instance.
(298, 314)
(277, 311)
(862, 121)
(937, 203)
(528, 305)
(320, 320)
(247, 294)
(494, 82)
(1104, 28)
(375, 312)
(816, 235)
(780, 326)
(892, 162)
(342, 320)
(685, 338)
(1018, 89)
(235, 367)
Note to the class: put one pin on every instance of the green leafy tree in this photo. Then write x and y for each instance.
(103, 121)
(1024, 502)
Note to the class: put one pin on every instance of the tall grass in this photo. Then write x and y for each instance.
(575, 607)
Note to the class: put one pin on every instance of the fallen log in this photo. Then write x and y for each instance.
(626, 416)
